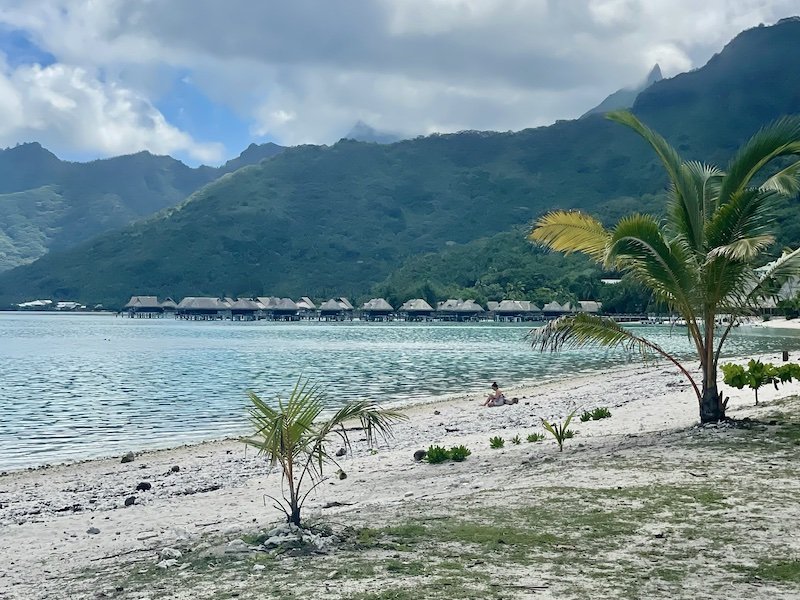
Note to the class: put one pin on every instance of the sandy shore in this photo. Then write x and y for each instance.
(46, 514)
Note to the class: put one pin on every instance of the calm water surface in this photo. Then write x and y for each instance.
(78, 386)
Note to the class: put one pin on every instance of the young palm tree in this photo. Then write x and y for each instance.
(291, 436)
(700, 260)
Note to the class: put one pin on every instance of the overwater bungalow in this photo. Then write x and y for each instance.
(416, 309)
(169, 305)
(202, 308)
(306, 308)
(553, 308)
(459, 310)
(589, 306)
(336, 309)
(144, 307)
(517, 310)
(377, 309)
(245, 309)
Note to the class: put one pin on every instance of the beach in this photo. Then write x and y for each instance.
(61, 521)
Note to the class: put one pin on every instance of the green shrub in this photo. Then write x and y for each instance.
(600, 413)
(496, 442)
(569, 434)
(459, 453)
(437, 454)
(586, 416)
(516, 441)
(535, 437)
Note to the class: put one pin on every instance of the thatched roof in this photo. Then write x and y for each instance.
(378, 305)
(553, 307)
(492, 305)
(284, 304)
(517, 306)
(306, 303)
(589, 306)
(169, 303)
(336, 305)
(416, 305)
(268, 302)
(460, 306)
(141, 302)
(202, 303)
(245, 304)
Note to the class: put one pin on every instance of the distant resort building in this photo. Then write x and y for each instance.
(377, 309)
(336, 309)
(274, 308)
(199, 308)
(459, 310)
(148, 307)
(416, 309)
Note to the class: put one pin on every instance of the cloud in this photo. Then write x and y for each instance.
(67, 108)
(306, 70)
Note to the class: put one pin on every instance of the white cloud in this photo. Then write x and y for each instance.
(306, 70)
(66, 108)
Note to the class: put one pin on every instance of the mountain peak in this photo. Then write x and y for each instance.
(625, 97)
(362, 132)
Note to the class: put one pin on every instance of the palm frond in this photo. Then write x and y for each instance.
(785, 182)
(571, 231)
(785, 268)
(747, 215)
(581, 330)
(780, 138)
(668, 155)
(638, 246)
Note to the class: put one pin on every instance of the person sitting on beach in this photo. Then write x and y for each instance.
(497, 398)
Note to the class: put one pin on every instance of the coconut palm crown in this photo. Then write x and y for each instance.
(293, 436)
(699, 261)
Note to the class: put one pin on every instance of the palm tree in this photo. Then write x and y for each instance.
(291, 437)
(700, 260)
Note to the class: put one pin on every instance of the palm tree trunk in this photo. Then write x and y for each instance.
(711, 407)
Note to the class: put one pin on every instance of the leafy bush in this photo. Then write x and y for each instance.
(560, 431)
(515, 440)
(535, 437)
(459, 453)
(600, 413)
(437, 454)
(586, 416)
(758, 374)
(496, 442)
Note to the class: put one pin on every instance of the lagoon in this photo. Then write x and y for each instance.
(78, 386)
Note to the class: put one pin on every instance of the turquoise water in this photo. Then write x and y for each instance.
(77, 386)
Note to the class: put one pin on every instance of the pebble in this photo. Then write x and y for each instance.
(143, 486)
(93, 531)
(127, 457)
(130, 500)
(170, 553)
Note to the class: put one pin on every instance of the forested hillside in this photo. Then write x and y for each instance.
(343, 219)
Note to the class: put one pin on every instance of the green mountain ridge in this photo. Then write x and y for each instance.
(49, 204)
(340, 220)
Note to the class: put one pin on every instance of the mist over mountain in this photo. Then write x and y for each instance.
(361, 132)
(340, 220)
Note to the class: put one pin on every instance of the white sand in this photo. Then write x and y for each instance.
(43, 538)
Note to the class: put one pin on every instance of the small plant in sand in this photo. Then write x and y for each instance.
(496, 442)
(459, 453)
(292, 437)
(586, 416)
(600, 413)
(560, 431)
(516, 440)
(437, 454)
(535, 437)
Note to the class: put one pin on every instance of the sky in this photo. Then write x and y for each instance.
(202, 79)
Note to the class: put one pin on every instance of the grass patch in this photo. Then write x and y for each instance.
(787, 571)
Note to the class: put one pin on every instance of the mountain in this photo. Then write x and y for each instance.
(339, 220)
(625, 97)
(49, 204)
(361, 132)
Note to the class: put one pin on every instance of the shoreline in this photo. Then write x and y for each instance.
(219, 487)
(411, 406)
